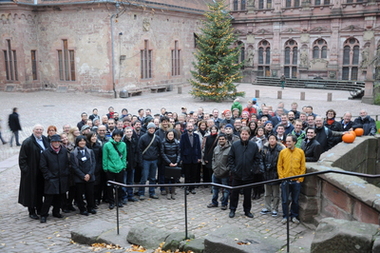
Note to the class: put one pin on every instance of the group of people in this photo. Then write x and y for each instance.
(241, 146)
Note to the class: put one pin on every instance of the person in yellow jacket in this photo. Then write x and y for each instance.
(291, 162)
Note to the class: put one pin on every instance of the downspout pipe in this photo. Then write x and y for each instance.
(113, 57)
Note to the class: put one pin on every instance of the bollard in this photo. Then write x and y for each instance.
(279, 94)
(329, 97)
(179, 90)
(257, 93)
(302, 95)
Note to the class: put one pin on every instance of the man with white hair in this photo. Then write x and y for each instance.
(366, 122)
(32, 182)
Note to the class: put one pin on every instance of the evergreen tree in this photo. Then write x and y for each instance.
(217, 64)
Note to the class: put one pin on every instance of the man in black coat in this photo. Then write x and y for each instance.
(311, 146)
(32, 182)
(190, 155)
(363, 121)
(14, 126)
(54, 165)
(245, 164)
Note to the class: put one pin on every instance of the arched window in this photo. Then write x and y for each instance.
(350, 59)
(264, 58)
(291, 58)
(320, 49)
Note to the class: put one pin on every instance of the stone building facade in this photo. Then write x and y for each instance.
(97, 46)
(329, 39)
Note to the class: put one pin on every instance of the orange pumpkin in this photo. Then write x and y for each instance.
(359, 131)
(353, 133)
(348, 138)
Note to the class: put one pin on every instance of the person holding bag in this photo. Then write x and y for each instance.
(171, 157)
(114, 163)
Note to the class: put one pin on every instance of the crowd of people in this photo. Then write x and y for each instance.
(241, 145)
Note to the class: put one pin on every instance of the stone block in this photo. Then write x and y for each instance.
(173, 241)
(376, 244)
(311, 186)
(341, 236)
(309, 208)
(364, 213)
(99, 231)
(237, 239)
(329, 209)
(196, 246)
(147, 236)
(337, 196)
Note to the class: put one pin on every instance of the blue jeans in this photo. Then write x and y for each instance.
(148, 172)
(215, 190)
(129, 176)
(294, 192)
(15, 135)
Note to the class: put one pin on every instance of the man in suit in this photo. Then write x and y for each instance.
(190, 155)
(32, 182)
(14, 126)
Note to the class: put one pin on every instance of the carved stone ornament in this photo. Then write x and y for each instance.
(146, 25)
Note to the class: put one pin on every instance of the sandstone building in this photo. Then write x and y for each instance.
(107, 46)
(97, 46)
(330, 39)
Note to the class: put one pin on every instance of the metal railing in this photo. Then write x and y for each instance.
(117, 185)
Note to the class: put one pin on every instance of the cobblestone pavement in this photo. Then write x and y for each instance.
(18, 233)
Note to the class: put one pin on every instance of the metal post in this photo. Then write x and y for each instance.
(117, 206)
(186, 189)
(287, 218)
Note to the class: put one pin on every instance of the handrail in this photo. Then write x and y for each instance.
(117, 185)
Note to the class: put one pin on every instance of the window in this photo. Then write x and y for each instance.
(350, 67)
(176, 60)
(265, 4)
(10, 58)
(34, 64)
(321, 2)
(146, 61)
(291, 58)
(235, 5)
(292, 3)
(264, 58)
(320, 49)
(242, 6)
(66, 63)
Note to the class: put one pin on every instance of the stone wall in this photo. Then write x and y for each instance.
(342, 196)
(106, 42)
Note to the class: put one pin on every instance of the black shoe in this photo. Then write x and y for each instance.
(193, 191)
(85, 213)
(111, 206)
(120, 204)
(97, 202)
(34, 216)
(66, 210)
(18, 145)
(43, 219)
(71, 208)
(187, 192)
(93, 211)
(232, 214)
(57, 215)
(248, 214)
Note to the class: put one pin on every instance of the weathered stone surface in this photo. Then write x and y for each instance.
(196, 246)
(172, 242)
(235, 239)
(334, 235)
(100, 231)
(149, 237)
(376, 244)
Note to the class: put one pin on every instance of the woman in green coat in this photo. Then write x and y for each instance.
(114, 164)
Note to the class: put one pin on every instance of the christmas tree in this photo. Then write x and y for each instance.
(217, 65)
